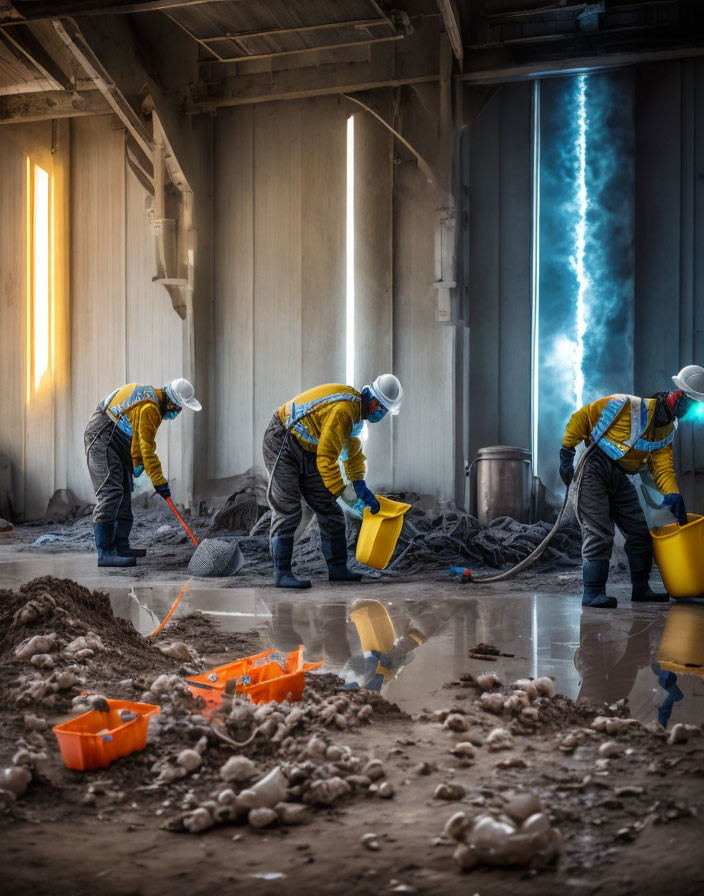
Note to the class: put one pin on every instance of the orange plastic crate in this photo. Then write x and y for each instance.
(263, 677)
(95, 739)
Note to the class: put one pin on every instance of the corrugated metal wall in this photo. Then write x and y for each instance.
(499, 247)
(669, 248)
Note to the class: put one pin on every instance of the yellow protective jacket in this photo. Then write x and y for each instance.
(327, 431)
(659, 462)
(136, 409)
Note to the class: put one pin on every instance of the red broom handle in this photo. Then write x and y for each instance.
(168, 501)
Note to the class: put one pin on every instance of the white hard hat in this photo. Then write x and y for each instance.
(691, 381)
(182, 393)
(388, 391)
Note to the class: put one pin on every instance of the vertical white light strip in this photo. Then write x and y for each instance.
(534, 634)
(535, 278)
(349, 367)
(580, 238)
(41, 318)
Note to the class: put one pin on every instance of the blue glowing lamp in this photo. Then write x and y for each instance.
(696, 414)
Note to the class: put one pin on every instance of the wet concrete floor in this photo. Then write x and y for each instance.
(651, 654)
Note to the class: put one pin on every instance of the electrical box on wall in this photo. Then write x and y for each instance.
(444, 263)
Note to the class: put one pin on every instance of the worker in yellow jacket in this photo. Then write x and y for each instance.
(303, 446)
(630, 433)
(120, 443)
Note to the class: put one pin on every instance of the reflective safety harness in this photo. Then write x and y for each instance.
(639, 424)
(118, 413)
(295, 417)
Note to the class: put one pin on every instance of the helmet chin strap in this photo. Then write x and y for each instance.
(672, 399)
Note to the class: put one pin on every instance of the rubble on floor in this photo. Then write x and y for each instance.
(430, 541)
(534, 779)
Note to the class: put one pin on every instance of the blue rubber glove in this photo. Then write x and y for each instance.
(138, 470)
(675, 503)
(163, 490)
(567, 465)
(367, 497)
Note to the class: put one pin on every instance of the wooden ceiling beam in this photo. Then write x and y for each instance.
(24, 42)
(11, 15)
(413, 60)
(72, 37)
(24, 107)
(451, 18)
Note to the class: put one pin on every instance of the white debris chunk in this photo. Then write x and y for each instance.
(545, 686)
(487, 681)
(499, 739)
(189, 759)
(610, 748)
(238, 769)
(266, 793)
(35, 645)
(15, 779)
(262, 817)
(520, 806)
(199, 820)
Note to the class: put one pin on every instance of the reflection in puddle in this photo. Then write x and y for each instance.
(409, 647)
(652, 655)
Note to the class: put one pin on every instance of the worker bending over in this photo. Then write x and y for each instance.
(303, 445)
(120, 443)
(630, 433)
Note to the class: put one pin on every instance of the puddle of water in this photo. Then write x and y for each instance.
(650, 654)
(593, 655)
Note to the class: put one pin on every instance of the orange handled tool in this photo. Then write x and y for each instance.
(168, 501)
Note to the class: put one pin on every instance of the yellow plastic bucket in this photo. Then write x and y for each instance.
(380, 532)
(681, 647)
(374, 626)
(679, 553)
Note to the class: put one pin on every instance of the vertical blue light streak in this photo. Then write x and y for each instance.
(583, 339)
(535, 283)
(580, 239)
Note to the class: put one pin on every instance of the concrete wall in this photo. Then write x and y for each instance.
(123, 327)
(498, 144)
(278, 307)
(112, 325)
(424, 351)
(32, 413)
(270, 303)
(279, 297)
(669, 244)
(13, 312)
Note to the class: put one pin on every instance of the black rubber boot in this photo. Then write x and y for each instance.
(594, 574)
(122, 540)
(105, 542)
(641, 565)
(335, 553)
(282, 555)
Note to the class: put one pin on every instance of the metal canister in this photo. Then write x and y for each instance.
(504, 483)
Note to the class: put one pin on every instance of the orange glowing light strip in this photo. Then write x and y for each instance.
(52, 337)
(29, 280)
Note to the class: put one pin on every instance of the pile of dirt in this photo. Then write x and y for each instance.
(57, 636)
(67, 608)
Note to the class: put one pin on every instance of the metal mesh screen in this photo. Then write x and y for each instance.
(216, 557)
